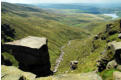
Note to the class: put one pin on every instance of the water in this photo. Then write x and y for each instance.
(114, 16)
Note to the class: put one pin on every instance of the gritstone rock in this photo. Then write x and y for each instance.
(32, 54)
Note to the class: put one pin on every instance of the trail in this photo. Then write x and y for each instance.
(58, 61)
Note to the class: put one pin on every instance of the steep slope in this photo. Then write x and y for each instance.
(75, 43)
(88, 51)
(28, 22)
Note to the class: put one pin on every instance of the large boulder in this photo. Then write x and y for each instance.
(116, 47)
(32, 54)
(101, 64)
(73, 65)
(96, 37)
(117, 75)
(111, 65)
(119, 67)
(119, 35)
(13, 73)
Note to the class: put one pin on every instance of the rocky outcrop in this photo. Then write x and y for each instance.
(119, 36)
(83, 76)
(111, 58)
(111, 65)
(73, 65)
(32, 54)
(119, 67)
(116, 47)
(117, 75)
(13, 73)
(108, 27)
(96, 37)
(101, 64)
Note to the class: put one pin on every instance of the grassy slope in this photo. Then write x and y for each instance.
(78, 19)
(81, 50)
(34, 24)
(55, 26)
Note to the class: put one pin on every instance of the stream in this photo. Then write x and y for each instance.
(58, 61)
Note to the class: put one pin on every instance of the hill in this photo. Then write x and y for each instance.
(57, 27)
(26, 21)
(93, 8)
(71, 34)
(89, 51)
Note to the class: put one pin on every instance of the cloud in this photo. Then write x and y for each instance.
(61, 1)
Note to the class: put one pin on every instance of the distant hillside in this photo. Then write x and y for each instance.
(83, 38)
(85, 8)
(98, 8)
(30, 21)
(59, 28)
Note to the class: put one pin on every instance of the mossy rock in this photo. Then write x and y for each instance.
(83, 76)
(13, 73)
(119, 67)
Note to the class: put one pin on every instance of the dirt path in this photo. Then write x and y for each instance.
(58, 61)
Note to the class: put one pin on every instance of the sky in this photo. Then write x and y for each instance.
(62, 1)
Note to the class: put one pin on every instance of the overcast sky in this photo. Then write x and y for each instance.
(62, 1)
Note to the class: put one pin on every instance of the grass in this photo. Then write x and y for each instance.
(107, 74)
(87, 55)
(54, 31)
(59, 29)
(8, 56)
(57, 33)
(80, 50)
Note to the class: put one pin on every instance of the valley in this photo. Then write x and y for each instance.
(74, 32)
(56, 27)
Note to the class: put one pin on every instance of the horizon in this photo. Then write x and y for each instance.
(63, 1)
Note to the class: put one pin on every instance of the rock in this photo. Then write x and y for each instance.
(73, 65)
(112, 32)
(30, 41)
(32, 54)
(119, 67)
(117, 75)
(108, 41)
(101, 64)
(111, 65)
(96, 37)
(22, 78)
(90, 76)
(13, 73)
(103, 38)
(119, 35)
(116, 47)
(108, 27)
(82, 76)
(45, 78)
(109, 46)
